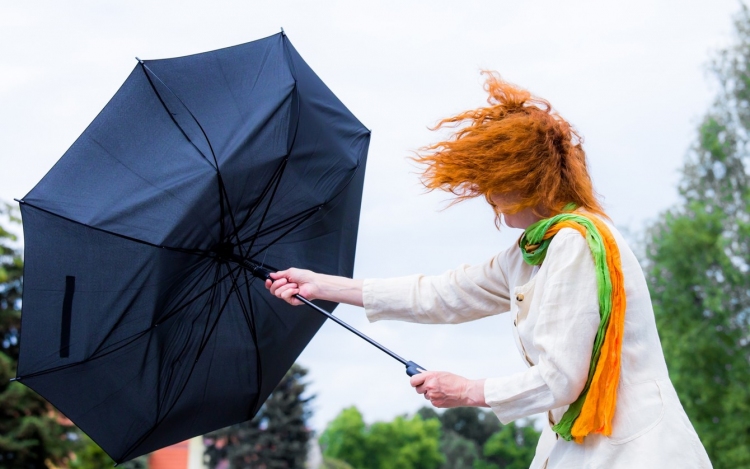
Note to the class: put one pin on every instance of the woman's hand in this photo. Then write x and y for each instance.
(314, 286)
(446, 390)
(290, 282)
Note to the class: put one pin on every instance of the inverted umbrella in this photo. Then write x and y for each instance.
(142, 321)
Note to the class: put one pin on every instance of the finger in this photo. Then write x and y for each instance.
(289, 293)
(279, 292)
(417, 379)
(421, 389)
(282, 285)
(276, 284)
(282, 290)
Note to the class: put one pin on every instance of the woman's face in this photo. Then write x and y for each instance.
(522, 219)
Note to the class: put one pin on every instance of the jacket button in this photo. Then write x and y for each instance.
(519, 297)
(515, 322)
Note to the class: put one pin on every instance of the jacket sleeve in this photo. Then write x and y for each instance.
(563, 334)
(460, 295)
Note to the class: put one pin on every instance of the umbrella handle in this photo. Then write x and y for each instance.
(413, 369)
(260, 272)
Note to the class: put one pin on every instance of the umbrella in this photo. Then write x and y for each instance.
(142, 321)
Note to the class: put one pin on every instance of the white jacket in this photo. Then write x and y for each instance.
(556, 315)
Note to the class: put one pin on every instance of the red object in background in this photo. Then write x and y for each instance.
(171, 457)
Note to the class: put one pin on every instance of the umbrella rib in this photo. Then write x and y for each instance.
(302, 220)
(197, 252)
(223, 196)
(127, 340)
(209, 302)
(282, 166)
(282, 223)
(250, 319)
(146, 70)
(119, 320)
(286, 220)
(192, 368)
(268, 205)
(279, 171)
(267, 187)
(195, 298)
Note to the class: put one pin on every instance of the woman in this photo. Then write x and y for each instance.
(581, 310)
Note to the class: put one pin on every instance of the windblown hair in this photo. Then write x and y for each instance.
(519, 146)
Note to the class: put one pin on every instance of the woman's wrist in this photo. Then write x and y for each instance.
(474, 393)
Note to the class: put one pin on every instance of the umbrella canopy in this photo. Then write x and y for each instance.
(141, 319)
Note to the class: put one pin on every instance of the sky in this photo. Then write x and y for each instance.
(631, 76)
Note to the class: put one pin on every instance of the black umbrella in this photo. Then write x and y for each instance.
(142, 321)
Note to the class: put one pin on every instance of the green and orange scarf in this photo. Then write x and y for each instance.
(594, 409)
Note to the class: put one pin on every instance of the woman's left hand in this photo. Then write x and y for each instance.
(446, 390)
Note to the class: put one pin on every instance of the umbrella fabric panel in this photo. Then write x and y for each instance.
(196, 346)
(133, 172)
(121, 288)
(233, 98)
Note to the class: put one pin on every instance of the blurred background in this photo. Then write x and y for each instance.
(656, 88)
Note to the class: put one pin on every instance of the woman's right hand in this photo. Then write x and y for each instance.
(290, 282)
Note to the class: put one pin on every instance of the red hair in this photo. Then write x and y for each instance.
(518, 146)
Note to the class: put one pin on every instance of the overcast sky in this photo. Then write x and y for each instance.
(629, 75)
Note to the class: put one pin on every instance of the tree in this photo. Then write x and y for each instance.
(458, 451)
(697, 262)
(276, 438)
(400, 444)
(513, 447)
(473, 437)
(32, 433)
(471, 423)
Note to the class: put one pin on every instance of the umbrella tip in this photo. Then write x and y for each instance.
(19, 201)
(139, 60)
(282, 31)
(17, 378)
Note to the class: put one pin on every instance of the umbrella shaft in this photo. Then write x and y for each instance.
(347, 326)
(264, 274)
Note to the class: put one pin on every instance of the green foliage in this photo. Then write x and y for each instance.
(698, 267)
(400, 444)
(471, 423)
(276, 438)
(458, 451)
(346, 438)
(90, 456)
(32, 433)
(463, 437)
(512, 447)
(330, 463)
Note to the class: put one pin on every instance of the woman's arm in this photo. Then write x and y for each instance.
(314, 286)
(460, 295)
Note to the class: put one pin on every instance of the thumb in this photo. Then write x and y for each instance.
(417, 379)
(279, 274)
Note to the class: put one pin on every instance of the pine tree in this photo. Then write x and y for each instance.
(275, 439)
(31, 433)
(698, 267)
